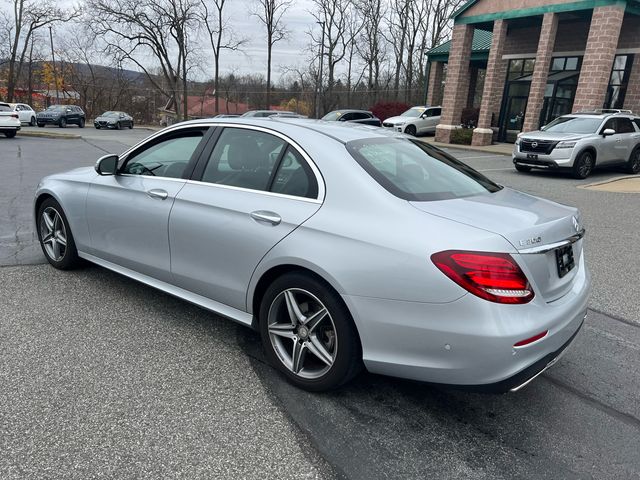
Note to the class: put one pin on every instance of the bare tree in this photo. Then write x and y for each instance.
(26, 18)
(270, 13)
(162, 29)
(370, 46)
(221, 37)
(396, 36)
(332, 15)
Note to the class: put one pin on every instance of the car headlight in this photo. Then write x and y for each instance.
(566, 144)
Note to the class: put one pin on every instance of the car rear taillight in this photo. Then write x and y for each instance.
(15, 115)
(493, 276)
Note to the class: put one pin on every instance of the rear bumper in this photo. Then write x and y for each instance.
(469, 342)
(10, 128)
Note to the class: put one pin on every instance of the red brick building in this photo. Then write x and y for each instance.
(526, 62)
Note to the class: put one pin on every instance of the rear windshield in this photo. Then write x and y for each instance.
(414, 171)
(573, 125)
(5, 108)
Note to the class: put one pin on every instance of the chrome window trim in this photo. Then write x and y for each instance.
(552, 246)
(314, 168)
(251, 190)
(152, 177)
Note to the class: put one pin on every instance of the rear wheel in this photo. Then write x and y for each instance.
(522, 168)
(633, 165)
(410, 130)
(55, 236)
(32, 122)
(583, 165)
(10, 134)
(308, 333)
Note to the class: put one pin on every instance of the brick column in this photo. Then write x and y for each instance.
(632, 97)
(434, 91)
(598, 57)
(456, 88)
(493, 85)
(540, 72)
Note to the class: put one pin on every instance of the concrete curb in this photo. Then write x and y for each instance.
(594, 186)
(61, 136)
(505, 149)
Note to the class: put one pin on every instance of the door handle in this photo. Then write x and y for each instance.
(266, 216)
(157, 193)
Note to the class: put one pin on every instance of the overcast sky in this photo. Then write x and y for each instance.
(288, 52)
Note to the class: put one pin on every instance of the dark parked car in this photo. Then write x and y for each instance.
(116, 120)
(61, 115)
(354, 116)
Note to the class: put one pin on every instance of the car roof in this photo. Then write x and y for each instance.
(349, 110)
(340, 131)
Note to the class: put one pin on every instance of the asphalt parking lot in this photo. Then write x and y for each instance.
(101, 377)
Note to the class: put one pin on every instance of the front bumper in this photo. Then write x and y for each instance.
(469, 342)
(48, 120)
(558, 158)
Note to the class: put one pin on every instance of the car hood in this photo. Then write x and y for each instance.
(555, 136)
(523, 220)
(398, 119)
(107, 119)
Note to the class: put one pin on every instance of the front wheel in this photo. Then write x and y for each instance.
(411, 130)
(633, 165)
(55, 236)
(62, 123)
(118, 126)
(41, 125)
(583, 165)
(32, 122)
(130, 125)
(523, 168)
(82, 122)
(308, 333)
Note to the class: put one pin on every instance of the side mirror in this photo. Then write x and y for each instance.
(608, 131)
(107, 165)
(543, 128)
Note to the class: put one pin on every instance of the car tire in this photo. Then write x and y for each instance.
(32, 122)
(10, 134)
(97, 127)
(41, 125)
(62, 123)
(130, 125)
(583, 165)
(82, 123)
(522, 168)
(411, 130)
(118, 126)
(297, 349)
(633, 164)
(51, 233)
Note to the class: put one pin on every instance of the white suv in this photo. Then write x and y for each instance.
(580, 141)
(9, 121)
(415, 121)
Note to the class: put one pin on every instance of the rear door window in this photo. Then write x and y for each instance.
(624, 126)
(294, 176)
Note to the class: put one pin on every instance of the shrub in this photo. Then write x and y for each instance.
(462, 136)
(384, 110)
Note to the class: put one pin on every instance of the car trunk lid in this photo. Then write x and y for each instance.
(536, 228)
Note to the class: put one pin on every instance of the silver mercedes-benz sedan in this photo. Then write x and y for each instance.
(344, 245)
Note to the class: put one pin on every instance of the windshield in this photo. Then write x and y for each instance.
(332, 116)
(574, 125)
(110, 114)
(413, 112)
(56, 107)
(415, 171)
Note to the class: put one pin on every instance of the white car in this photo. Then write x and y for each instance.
(9, 121)
(25, 113)
(415, 121)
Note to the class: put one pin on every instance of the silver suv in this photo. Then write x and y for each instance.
(580, 141)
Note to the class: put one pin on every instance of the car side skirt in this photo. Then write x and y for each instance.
(220, 308)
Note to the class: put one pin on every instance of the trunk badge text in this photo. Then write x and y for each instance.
(530, 241)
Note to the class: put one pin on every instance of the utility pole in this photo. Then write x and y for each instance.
(53, 58)
(319, 88)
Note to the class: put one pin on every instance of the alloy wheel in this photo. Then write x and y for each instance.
(302, 333)
(53, 234)
(634, 167)
(586, 165)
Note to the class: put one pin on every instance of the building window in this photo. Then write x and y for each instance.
(520, 67)
(561, 64)
(618, 81)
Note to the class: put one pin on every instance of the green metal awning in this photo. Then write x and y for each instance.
(479, 47)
